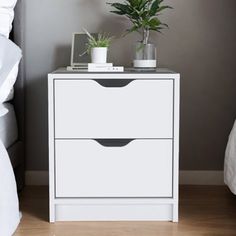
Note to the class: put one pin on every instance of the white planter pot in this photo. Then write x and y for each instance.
(145, 63)
(99, 55)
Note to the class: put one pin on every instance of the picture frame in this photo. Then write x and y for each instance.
(79, 56)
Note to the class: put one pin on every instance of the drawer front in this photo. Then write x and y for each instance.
(140, 109)
(86, 168)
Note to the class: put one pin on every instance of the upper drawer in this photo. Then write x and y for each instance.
(88, 109)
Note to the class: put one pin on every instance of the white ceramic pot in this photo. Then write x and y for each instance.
(99, 55)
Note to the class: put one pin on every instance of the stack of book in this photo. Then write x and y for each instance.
(95, 67)
(78, 67)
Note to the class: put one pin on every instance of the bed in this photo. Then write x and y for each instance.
(8, 127)
(11, 116)
(230, 161)
(9, 135)
(16, 149)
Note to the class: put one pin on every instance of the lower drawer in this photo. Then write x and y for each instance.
(87, 168)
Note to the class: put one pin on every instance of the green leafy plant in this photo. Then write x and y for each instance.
(143, 15)
(102, 40)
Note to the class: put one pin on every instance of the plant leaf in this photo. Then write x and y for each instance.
(154, 8)
(89, 35)
(133, 3)
(125, 9)
(144, 4)
(163, 8)
(118, 12)
(154, 22)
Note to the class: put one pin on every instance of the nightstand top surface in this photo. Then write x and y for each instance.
(127, 71)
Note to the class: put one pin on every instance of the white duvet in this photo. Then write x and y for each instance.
(230, 161)
(9, 205)
(10, 56)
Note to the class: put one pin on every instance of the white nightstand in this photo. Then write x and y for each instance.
(113, 145)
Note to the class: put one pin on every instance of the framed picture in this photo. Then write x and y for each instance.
(79, 55)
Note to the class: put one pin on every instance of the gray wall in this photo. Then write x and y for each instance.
(200, 45)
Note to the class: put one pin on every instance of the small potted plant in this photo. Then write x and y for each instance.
(144, 16)
(98, 46)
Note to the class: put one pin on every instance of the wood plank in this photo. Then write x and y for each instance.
(204, 210)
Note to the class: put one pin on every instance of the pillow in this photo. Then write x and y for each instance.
(3, 110)
(6, 16)
(10, 95)
(10, 55)
(8, 3)
(7, 85)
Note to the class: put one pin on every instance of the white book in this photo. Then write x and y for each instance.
(99, 65)
(107, 69)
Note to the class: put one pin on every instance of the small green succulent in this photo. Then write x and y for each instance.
(101, 40)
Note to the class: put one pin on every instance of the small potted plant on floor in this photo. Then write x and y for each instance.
(98, 46)
(144, 16)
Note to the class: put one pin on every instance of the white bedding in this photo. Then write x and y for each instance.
(8, 126)
(6, 16)
(10, 56)
(10, 95)
(9, 204)
(230, 161)
(3, 110)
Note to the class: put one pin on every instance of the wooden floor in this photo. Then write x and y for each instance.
(204, 211)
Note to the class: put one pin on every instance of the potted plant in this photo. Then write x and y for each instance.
(144, 16)
(98, 47)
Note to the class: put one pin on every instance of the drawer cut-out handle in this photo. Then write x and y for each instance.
(114, 142)
(114, 83)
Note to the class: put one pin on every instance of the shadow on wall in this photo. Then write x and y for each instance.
(200, 44)
(122, 48)
(61, 57)
(37, 91)
(123, 51)
(91, 4)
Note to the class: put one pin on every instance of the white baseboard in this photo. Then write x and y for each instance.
(201, 177)
(36, 178)
(187, 177)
